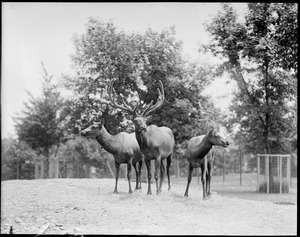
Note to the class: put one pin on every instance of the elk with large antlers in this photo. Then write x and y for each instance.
(123, 147)
(199, 154)
(155, 142)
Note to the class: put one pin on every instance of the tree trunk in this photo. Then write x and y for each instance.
(42, 168)
(36, 169)
(267, 122)
(18, 169)
(50, 168)
(56, 162)
(56, 170)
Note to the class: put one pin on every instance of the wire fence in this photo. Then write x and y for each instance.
(273, 173)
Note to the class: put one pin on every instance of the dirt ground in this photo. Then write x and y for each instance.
(88, 206)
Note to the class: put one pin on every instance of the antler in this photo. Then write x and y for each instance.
(161, 98)
(123, 106)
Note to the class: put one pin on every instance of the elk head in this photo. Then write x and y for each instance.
(93, 130)
(138, 115)
(216, 139)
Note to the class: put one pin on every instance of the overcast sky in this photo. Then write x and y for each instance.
(35, 32)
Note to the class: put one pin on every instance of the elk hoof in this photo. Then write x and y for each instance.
(115, 192)
(205, 198)
(130, 191)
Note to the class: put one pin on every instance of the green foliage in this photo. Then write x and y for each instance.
(274, 29)
(255, 56)
(79, 155)
(138, 62)
(39, 125)
(17, 160)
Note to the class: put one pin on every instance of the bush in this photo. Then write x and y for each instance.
(274, 187)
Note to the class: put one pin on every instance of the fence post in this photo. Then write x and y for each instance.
(223, 168)
(267, 173)
(176, 167)
(240, 167)
(288, 174)
(110, 169)
(280, 174)
(258, 171)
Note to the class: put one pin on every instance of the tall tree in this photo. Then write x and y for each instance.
(138, 61)
(256, 57)
(40, 125)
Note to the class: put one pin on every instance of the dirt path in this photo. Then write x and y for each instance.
(88, 206)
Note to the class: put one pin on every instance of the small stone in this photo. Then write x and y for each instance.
(77, 230)
(48, 217)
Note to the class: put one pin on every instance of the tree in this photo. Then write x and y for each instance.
(17, 160)
(78, 155)
(40, 125)
(138, 61)
(255, 56)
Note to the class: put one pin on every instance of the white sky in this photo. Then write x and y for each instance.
(35, 32)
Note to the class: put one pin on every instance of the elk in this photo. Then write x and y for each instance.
(200, 154)
(156, 143)
(123, 147)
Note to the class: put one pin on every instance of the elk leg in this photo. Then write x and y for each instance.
(203, 178)
(186, 194)
(162, 174)
(137, 176)
(129, 175)
(117, 176)
(169, 160)
(140, 174)
(157, 168)
(148, 165)
(208, 178)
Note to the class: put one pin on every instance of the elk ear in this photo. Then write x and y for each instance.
(129, 116)
(102, 121)
(149, 117)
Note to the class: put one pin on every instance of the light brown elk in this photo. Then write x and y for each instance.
(156, 143)
(199, 154)
(123, 147)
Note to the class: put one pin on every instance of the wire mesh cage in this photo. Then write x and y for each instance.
(273, 173)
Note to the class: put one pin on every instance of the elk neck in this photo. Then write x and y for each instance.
(203, 148)
(107, 141)
(141, 138)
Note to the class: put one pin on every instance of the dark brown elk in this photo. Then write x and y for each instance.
(156, 143)
(200, 154)
(123, 147)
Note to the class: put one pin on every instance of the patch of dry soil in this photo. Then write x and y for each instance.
(88, 206)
